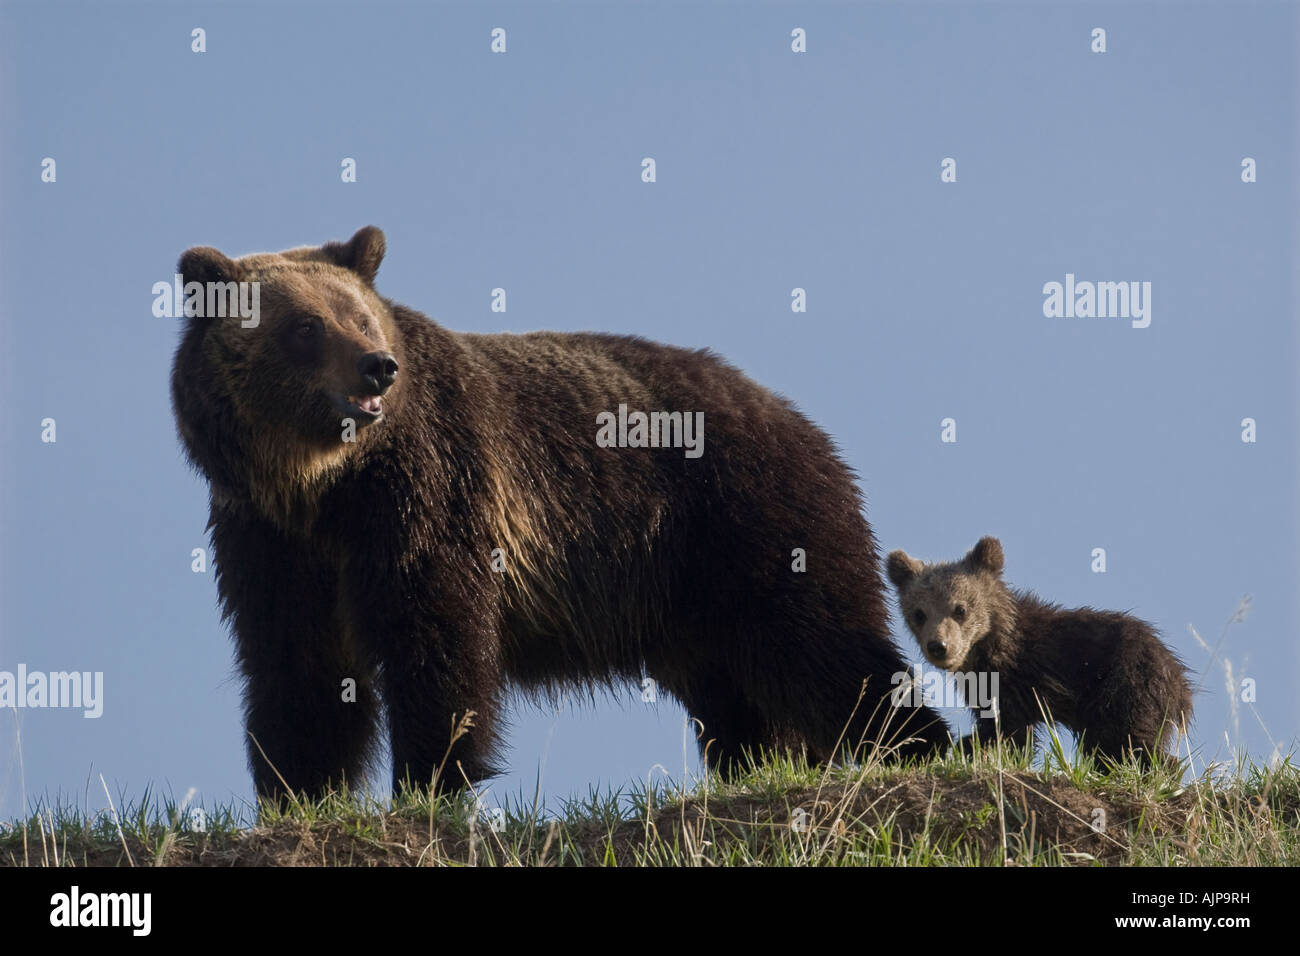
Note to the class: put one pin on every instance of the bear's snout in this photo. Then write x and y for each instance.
(378, 371)
(937, 650)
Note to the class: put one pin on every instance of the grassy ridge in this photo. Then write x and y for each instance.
(993, 808)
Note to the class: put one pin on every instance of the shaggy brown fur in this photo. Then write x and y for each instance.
(373, 560)
(1102, 674)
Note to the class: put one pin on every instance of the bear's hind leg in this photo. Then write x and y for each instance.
(730, 731)
(831, 710)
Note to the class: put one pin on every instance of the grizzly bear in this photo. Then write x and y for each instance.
(1104, 675)
(407, 520)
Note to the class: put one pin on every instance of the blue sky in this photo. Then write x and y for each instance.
(775, 170)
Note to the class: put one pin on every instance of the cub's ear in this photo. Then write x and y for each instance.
(205, 264)
(362, 253)
(986, 555)
(902, 569)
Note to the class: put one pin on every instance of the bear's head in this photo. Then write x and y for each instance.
(273, 396)
(950, 607)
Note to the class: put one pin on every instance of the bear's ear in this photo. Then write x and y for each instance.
(986, 555)
(902, 569)
(362, 253)
(205, 264)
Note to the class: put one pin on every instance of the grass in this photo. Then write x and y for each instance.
(988, 808)
(994, 806)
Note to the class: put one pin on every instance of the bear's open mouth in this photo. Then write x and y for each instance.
(364, 408)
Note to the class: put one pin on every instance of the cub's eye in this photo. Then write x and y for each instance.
(365, 327)
(307, 327)
(918, 617)
(959, 613)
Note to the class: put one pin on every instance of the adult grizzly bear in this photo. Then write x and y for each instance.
(431, 515)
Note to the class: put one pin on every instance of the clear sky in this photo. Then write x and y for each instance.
(775, 170)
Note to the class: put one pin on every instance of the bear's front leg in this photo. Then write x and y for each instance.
(442, 715)
(436, 643)
(309, 709)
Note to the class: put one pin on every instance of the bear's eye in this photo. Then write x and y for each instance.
(365, 327)
(307, 327)
(959, 613)
(918, 617)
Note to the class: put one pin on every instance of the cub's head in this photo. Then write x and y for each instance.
(285, 358)
(950, 607)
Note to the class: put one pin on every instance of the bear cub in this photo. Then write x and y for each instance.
(1104, 675)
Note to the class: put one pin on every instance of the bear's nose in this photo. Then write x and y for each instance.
(937, 649)
(378, 370)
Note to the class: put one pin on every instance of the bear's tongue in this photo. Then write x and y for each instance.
(369, 403)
